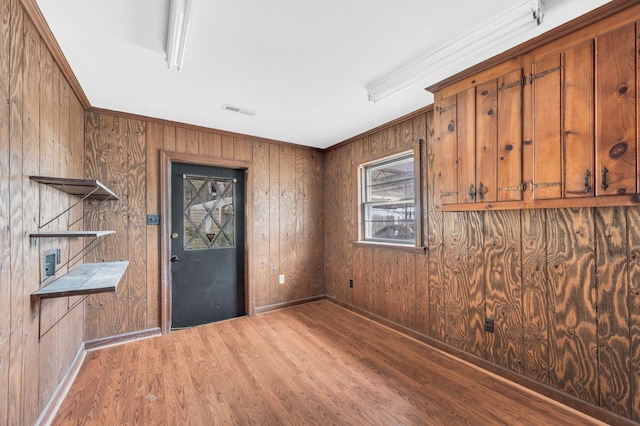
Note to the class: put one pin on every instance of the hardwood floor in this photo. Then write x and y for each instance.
(311, 364)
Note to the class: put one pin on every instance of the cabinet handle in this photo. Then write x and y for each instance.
(587, 187)
(481, 190)
(604, 179)
(472, 192)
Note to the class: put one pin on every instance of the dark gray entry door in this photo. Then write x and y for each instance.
(207, 244)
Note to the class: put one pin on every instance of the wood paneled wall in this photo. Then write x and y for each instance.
(41, 133)
(124, 153)
(562, 285)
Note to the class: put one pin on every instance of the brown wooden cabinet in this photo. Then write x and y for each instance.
(565, 132)
(479, 141)
(616, 103)
(563, 119)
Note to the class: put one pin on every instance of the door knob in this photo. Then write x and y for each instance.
(174, 259)
(174, 235)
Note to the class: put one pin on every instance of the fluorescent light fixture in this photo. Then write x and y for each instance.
(515, 21)
(177, 32)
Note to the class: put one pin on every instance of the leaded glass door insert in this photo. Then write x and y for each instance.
(209, 214)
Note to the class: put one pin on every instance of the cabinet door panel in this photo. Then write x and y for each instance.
(578, 121)
(615, 112)
(467, 146)
(510, 137)
(446, 144)
(547, 162)
(487, 141)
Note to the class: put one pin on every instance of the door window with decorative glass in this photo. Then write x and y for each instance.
(209, 216)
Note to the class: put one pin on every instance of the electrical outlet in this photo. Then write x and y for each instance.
(350, 283)
(489, 325)
(281, 278)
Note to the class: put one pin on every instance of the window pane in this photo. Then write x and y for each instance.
(394, 222)
(391, 181)
(209, 216)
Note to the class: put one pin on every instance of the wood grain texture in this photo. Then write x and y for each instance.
(503, 281)
(578, 120)
(445, 146)
(277, 369)
(466, 141)
(487, 141)
(612, 275)
(423, 129)
(633, 223)
(122, 142)
(435, 240)
(37, 132)
(535, 295)
(261, 222)
(5, 236)
(616, 147)
(274, 224)
(547, 168)
(15, 201)
(456, 280)
(136, 143)
(30, 208)
(572, 302)
(154, 144)
(509, 151)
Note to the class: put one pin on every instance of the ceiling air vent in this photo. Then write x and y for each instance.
(244, 111)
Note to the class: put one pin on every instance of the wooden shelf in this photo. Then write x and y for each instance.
(89, 189)
(71, 234)
(88, 278)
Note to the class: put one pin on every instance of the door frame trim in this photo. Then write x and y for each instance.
(166, 160)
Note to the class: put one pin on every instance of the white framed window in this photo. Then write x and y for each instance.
(389, 200)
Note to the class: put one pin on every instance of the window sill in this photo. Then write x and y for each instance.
(400, 247)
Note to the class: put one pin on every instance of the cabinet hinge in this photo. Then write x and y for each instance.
(447, 194)
(533, 77)
(520, 187)
(543, 185)
(520, 82)
(443, 109)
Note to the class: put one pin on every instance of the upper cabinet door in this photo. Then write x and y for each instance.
(446, 150)
(578, 120)
(487, 141)
(547, 150)
(509, 158)
(616, 148)
(466, 125)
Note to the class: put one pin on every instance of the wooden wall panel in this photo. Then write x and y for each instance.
(124, 152)
(38, 135)
(274, 224)
(561, 284)
(422, 129)
(570, 268)
(261, 222)
(633, 223)
(15, 216)
(30, 149)
(5, 223)
(535, 296)
(154, 144)
(136, 179)
(476, 286)
(612, 274)
(502, 236)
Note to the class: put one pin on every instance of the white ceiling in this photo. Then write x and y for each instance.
(302, 65)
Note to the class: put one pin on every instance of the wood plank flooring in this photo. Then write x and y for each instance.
(311, 364)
